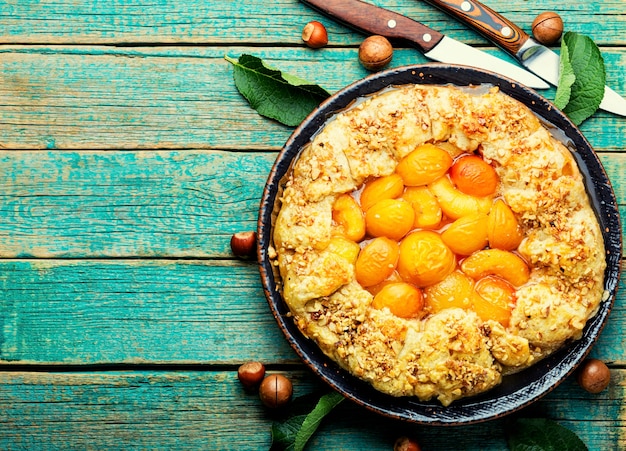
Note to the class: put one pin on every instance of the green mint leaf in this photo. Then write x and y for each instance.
(282, 97)
(284, 433)
(566, 78)
(305, 415)
(541, 434)
(588, 67)
(326, 403)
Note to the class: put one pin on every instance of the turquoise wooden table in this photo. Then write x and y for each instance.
(128, 159)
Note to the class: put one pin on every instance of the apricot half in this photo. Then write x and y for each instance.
(392, 218)
(424, 165)
(425, 259)
(376, 261)
(428, 214)
(473, 175)
(375, 190)
(402, 299)
(455, 203)
(504, 264)
(344, 247)
(504, 230)
(467, 234)
(455, 291)
(349, 218)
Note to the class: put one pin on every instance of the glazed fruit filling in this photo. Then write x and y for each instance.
(433, 235)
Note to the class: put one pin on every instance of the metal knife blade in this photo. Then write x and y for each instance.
(537, 58)
(371, 19)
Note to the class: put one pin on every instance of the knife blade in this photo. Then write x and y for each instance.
(534, 56)
(371, 19)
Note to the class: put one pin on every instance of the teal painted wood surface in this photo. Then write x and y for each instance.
(216, 22)
(128, 204)
(209, 410)
(171, 98)
(127, 160)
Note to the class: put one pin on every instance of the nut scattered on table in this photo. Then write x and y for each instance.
(315, 35)
(251, 374)
(594, 376)
(375, 52)
(275, 391)
(406, 444)
(243, 244)
(547, 28)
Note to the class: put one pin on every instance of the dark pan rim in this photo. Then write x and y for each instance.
(517, 390)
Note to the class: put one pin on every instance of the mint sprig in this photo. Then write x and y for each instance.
(542, 434)
(293, 433)
(274, 94)
(582, 77)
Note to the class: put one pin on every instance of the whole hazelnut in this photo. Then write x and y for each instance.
(547, 28)
(375, 52)
(406, 444)
(594, 376)
(243, 244)
(251, 374)
(275, 391)
(314, 34)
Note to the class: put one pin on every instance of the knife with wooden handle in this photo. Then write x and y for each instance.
(537, 58)
(371, 19)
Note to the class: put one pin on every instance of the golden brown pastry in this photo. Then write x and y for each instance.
(453, 337)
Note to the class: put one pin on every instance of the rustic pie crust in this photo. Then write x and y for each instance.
(452, 353)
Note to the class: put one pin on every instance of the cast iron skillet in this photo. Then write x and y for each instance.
(516, 391)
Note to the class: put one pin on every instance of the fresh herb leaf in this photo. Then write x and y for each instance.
(326, 403)
(283, 97)
(587, 65)
(541, 434)
(284, 433)
(566, 78)
(293, 433)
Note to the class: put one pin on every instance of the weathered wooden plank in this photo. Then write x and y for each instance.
(134, 312)
(125, 204)
(219, 22)
(176, 97)
(209, 410)
(170, 204)
(79, 312)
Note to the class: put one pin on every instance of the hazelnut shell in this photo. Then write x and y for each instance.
(251, 374)
(243, 244)
(593, 376)
(375, 52)
(547, 28)
(314, 34)
(275, 391)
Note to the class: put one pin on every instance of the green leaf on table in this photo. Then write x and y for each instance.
(587, 65)
(312, 421)
(541, 434)
(274, 94)
(284, 433)
(566, 78)
(293, 433)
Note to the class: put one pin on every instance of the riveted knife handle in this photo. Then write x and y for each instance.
(371, 19)
(486, 21)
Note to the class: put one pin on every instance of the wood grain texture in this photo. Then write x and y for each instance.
(158, 312)
(209, 410)
(177, 97)
(216, 22)
(128, 204)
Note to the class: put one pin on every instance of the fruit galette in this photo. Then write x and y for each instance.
(431, 239)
